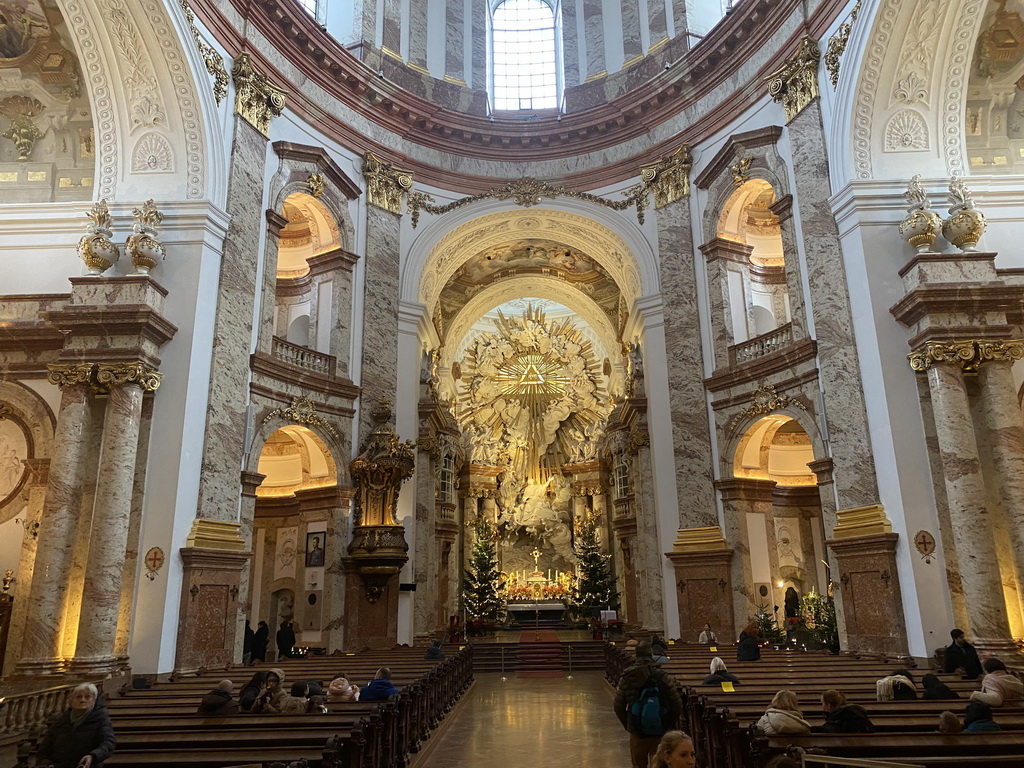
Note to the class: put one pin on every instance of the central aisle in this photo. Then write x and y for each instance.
(533, 723)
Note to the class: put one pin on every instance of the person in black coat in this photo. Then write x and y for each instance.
(842, 717)
(82, 736)
(434, 651)
(218, 702)
(259, 642)
(962, 655)
(285, 640)
(747, 649)
(935, 689)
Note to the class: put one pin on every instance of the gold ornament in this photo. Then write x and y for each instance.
(795, 83)
(966, 224)
(214, 61)
(669, 178)
(385, 184)
(922, 225)
(142, 245)
(120, 374)
(95, 247)
(317, 184)
(256, 100)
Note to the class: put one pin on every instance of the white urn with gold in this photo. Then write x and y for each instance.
(142, 245)
(95, 248)
(966, 224)
(922, 225)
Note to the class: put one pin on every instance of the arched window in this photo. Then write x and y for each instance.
(524, 55)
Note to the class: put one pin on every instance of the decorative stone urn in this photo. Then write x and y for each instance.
(965, 224)
(922, 225)
(142, 246)
(95, 247)
(378, 549)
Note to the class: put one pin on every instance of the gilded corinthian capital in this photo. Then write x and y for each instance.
(969, 355)
(71, 375)
(385, 184)
(669, 178)
(795, 83)
(256, 100)
(119, 374)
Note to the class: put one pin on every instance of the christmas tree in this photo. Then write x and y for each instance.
(594, 586)
(480, 587)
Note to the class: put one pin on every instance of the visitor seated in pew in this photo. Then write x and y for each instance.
(340, 690)
(675, 750)
(978, 718)
(949, 723)
(936, 690)
(270, 695)
(747, 649)
(218, 702)
(81, 736)
(316, 688)
(297, 702)
(434, 651)
(783, 716)
(247, 696)
(998, 686)
(380, 688)
(317, 705)
(708, 636)
(719, 673)
(841, 716)
(962, 655)
(899, 686)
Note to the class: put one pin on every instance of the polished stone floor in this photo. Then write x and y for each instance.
(532, 723)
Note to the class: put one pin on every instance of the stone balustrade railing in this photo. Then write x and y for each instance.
(24, 711)
(762, 345)
(445, 511)
(303, 357)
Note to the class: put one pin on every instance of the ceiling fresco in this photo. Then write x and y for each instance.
(522, 258)
(995, 98)
(47, 145)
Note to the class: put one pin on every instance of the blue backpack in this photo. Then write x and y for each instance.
(648, 711)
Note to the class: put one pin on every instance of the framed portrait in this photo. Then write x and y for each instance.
(315, 541)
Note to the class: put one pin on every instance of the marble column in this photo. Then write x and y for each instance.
(425, 566)
(97, 628)
(39, 470)
(783, 208)
(418, 32)
(845, 409)
(965, 491)
(1005, 437)
(570, 45)
(630, 10)
(250, 482)
(455, 35)
(822, 469)
(691, 432)
(478, 41)
(593, 31)
(392, 37)
(334, 573)
(43, 639)
(268, 293)
(648, 554)
(657, 23)
(380, 314)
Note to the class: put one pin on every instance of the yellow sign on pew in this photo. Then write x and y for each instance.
(713, 648)
(727, 687)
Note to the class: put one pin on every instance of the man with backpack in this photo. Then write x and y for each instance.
(647, 704)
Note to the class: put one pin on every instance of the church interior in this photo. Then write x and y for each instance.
(403, 321)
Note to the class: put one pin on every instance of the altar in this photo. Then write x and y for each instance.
(544, 612)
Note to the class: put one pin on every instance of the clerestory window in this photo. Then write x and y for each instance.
(525, 72)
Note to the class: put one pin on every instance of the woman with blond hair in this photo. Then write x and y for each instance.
(675, 750)
(783, 716)
(720, 674)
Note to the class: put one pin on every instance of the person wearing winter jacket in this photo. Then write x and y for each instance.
(340, 690)
(81, 736)
(298, 702)
(720, 674)
(634, 679)
(998, 686)
(936, 690)
(978, 718)
(708, 636)
(434, 652)
(842, 717)
(218, 702)
(783, 716)
(747, 649)
(380, 688)
(899, 686)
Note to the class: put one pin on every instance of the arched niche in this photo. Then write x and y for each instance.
(26, 435)
(311, 230)
(294, 459)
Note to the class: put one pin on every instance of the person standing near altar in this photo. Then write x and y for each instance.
(636, 682)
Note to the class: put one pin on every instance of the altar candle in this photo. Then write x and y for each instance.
(549, 574)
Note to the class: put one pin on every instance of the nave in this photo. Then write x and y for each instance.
(531, 723)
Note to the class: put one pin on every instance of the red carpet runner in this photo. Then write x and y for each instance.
(540, 654)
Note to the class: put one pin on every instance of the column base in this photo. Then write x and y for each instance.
(703, 582)
(40, 667)
(1000, 647)
(99, 665)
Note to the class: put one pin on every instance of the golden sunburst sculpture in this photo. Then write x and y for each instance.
(522, 384)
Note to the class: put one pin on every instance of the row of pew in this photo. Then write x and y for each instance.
(721, 722)
(159, 727)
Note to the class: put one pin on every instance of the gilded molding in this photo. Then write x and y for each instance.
(386, 184)
(740, 170)
(669, 178)
(969, 355)
(119, 374)
(861, 521)
(302, 411)
(214, 61)
(837, 46)
(795, 83)
(379, 471)
(699, 539)
(765, 400)
(317, 184)
(256, 100)
(216, 534)
(71, 375)
(527, 192)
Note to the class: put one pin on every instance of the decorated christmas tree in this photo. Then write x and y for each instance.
(480, 586)
(594, 586)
